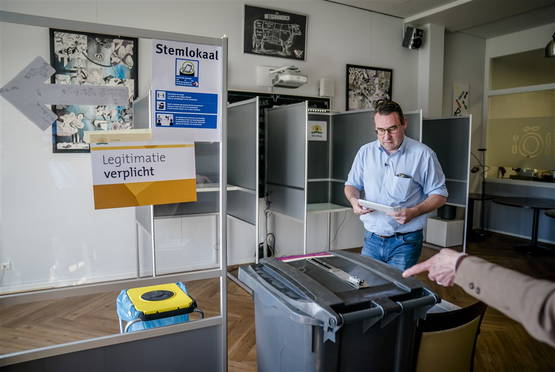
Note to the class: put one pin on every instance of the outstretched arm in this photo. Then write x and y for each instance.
(441, 268)
(525, 299)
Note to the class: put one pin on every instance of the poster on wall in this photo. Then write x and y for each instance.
(149, 173)
(460, 99)
(81, 58)
(274, 33)
(366, 85)
(186, 91)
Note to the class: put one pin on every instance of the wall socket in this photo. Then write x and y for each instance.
(5, 266)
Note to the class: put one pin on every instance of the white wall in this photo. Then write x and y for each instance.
(430, 71)
(517, 42)
(464, 64)
(49, 230)
(336, 35)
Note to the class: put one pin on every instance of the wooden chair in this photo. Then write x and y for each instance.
(446, 341)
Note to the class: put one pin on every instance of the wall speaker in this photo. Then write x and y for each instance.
(326, 87)
(413, 37)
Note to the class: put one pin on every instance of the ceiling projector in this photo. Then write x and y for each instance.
(288, 77)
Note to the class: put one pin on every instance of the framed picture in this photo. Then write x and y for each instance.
(91, 59)
(274, 33)
(366, 85)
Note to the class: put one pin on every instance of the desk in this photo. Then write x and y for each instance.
(536, 205)
(472, 197)
(328, 208)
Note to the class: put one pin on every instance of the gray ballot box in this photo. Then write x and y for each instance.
(337, 311)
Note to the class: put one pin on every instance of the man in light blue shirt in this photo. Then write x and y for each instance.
(399, 172)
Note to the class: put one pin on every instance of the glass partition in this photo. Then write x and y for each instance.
(63, 263)
(51, 235)
(38, 324)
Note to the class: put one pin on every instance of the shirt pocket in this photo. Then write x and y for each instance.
(402, 188)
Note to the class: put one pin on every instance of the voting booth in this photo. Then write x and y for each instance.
(306, 183)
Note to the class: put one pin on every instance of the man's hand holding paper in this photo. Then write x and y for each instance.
(404, 215)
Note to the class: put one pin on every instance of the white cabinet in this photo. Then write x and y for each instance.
(445, 233)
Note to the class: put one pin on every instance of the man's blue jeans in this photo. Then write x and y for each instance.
(399, 251)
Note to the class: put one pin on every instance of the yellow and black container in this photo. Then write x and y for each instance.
(154, 306)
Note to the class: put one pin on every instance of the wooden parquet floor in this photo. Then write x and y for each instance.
(241, 348)
(503, 345)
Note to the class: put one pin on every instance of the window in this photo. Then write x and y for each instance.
(521, 117)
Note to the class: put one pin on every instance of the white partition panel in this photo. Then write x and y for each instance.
(286, 154)
(414, 124)
(350, 131)
(182, 243)
(450, 140)
(243, 168)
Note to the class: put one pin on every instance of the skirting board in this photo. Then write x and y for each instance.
(520, 236)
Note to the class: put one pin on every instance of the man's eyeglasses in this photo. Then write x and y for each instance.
(390, 130)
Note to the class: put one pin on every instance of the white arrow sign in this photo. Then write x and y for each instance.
(28, 93)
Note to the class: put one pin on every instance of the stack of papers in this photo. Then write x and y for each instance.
(377, 206)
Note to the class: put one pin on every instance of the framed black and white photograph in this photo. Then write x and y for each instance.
(274, 33)
(81, 58)
(366, 85)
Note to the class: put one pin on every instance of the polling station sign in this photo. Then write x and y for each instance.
(128, 175)
(186, 91)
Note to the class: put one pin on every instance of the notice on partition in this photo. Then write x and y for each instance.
(131, 174)
(317, 131)
(186, 91)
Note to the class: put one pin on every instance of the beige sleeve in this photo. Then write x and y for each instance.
(527, 300)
